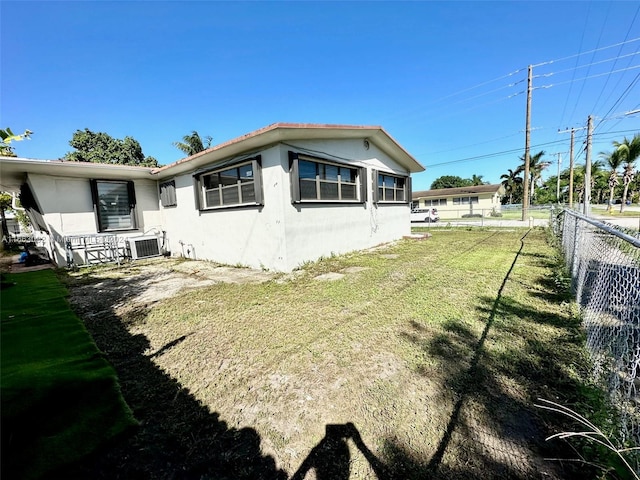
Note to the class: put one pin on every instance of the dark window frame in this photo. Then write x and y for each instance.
(167, 191)
(382, 190)
(473, 200)
(101, 210)
(297, 192)
(204, 196)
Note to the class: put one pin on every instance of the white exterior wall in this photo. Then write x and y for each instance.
(314, 230)
(67, 209)
(280, 235)
(250, 236)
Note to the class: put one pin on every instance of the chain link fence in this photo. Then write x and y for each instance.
(604, 262)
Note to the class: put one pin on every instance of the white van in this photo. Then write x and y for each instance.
(428, 215)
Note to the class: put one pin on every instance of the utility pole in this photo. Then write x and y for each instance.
(527, 145)
(587, 168)
(558, 185)
(573, 134)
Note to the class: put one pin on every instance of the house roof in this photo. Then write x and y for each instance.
(288, 132)
(443, 192)
(13, 170)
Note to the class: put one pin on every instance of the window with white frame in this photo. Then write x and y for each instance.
(319, 180)
(114, 203)
(436, 202)
(235, 185)
(392, 188)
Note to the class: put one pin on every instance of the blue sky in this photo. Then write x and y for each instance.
(445, 79)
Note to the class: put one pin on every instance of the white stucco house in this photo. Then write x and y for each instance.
(274, 198)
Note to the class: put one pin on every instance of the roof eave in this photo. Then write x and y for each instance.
(287, 132)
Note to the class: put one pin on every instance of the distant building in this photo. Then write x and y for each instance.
(456, 202)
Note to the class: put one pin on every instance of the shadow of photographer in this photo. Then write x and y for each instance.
(330, 458)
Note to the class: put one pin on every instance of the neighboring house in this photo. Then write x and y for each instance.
(456, 202)
(274, 198)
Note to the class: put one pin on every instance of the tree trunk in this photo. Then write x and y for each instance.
(5, 229)
(624, 197)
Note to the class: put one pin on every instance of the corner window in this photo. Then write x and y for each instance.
(114, 203)
(168, 194)
(239, 184)
(392, 188)
(318, 180)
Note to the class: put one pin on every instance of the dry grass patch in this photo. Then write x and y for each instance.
(410, 346)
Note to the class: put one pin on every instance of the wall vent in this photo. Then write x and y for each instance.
(144, 247)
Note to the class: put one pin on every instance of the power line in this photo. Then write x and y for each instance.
(474, 144)
(566, 102)
(584, 53)
(612, 59)
(491, 155)
(591, 76)
(620, 98)
(517, 150)
(633, 20)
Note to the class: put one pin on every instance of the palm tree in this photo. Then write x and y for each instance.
(613, 160)
(629, 151)
(192, 144)
(579, 177)
(536, 166)
(512, 182)
(477, 180)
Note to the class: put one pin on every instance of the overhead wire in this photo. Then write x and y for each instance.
(575, 105)
(594, 109)
(587, 52)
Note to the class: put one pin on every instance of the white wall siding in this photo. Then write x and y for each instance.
(281, 235)
(249, 235)
(67, 209)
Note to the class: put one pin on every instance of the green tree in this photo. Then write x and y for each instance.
(613, 160)
(100, 147)
(597, 174)
(5, 204)
(536, 166)
(6, 137)
(629, 151)
(450, 181)
(512, 183)
(477, 180)
(192, 143)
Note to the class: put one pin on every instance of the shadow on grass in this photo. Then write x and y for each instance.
(178, 436)
(493, 428)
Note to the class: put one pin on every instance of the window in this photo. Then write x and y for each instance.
(232, 186)
(114, 203)
(168, 194)
(436, 203)
(464, 200)
(316, 180)
(392, 188)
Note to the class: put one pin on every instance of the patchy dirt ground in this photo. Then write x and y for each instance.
(190, 430)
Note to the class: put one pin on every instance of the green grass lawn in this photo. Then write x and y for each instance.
(60, 397)
(435, 350)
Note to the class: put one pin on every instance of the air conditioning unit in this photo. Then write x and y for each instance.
(144, 247)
